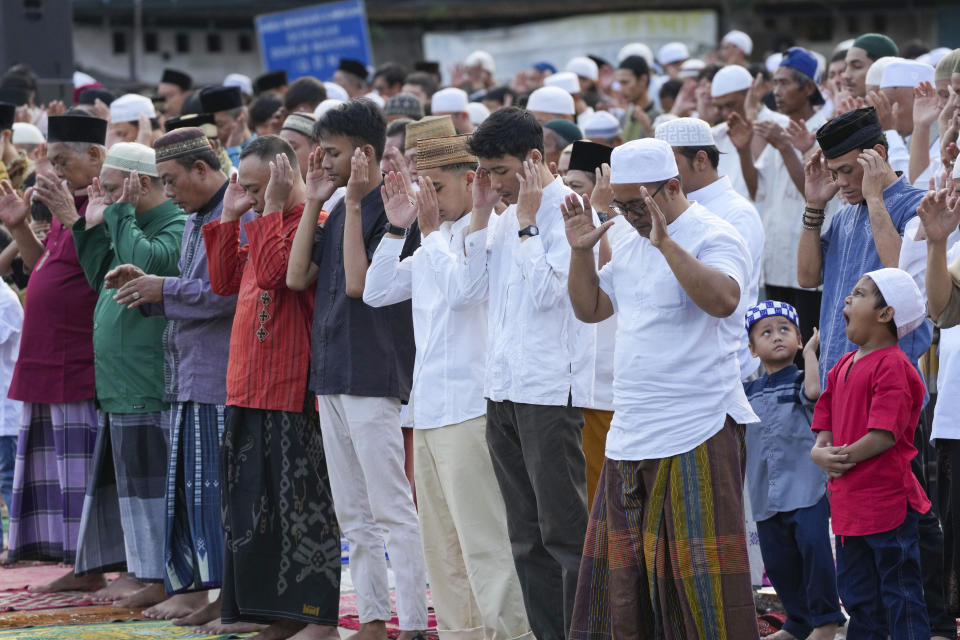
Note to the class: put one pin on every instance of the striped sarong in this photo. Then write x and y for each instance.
(665, 554)
(54, 458)
(124, 506)
(193, 542)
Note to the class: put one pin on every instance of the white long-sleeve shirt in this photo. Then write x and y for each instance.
(450, 331)
(537, 351)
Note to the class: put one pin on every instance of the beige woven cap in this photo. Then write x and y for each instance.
(132, 156)
(441, 152)
(429, 127)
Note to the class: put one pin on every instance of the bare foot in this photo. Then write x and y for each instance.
(316, 632)
(375, 630)
(70, 582)
(178, 606)
(939, 638)
(279, 630)
(786, 635)
(208, 612)
(148, 596)
(122, 587)
(217, 628)
(825, 632)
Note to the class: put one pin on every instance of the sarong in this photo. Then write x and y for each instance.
(54, 459)
(665, 555)
(124, 507)
(282, 556)
(193, 535)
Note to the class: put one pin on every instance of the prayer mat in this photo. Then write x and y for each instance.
(67, 616)
(770, 623)
(350, 616)
(160, 630)
(23, 575)
(54, 458)
(30, 601)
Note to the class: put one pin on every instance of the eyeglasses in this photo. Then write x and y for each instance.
(640, 208)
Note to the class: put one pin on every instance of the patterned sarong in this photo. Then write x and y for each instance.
(193, 541)
(54, 458)
(282, 537)
(124, 506)
(665, 554)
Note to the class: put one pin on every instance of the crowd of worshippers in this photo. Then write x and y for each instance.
(592, 354)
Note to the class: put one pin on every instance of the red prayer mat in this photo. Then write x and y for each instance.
(29, 601)
(350, 617)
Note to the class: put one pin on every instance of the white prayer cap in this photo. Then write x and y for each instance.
(376, 98)
(901, 292)
(906, 73)
(336, 92)
(601, 124)
(685, 132)
(844, 45)
(478, 112)
(551, 100)
(875, 72)
(239, 80)
(740, 40)
(691, 68)
(583, 67)
(729, 79)
(128, 107)
(325, 106)
(642, 161)
(80, 79)
(132, 156)
(772, 63)
(449, 100)
(672, 52)
(566, 80)
(26, 133)
(636, 49)
(935, 56)
(481, 58)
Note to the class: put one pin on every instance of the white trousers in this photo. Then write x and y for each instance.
(473, 580)
(371, 496)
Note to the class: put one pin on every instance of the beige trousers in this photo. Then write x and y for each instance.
(463, 524)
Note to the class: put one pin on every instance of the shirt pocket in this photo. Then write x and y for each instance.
(661, 291)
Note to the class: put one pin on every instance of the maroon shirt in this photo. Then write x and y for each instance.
(56, 348)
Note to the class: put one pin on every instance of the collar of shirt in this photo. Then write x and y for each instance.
(212, 203)
(711, 191)
(786, 374)
(144, 219)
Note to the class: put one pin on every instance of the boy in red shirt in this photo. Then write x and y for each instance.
(865, 420)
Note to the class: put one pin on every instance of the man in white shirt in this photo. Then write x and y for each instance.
(540, 363)
(11, 324)
(666, 547)
(463, 520)
(697, 159)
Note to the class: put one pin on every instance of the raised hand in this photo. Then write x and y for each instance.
(752, 104)
(131, 189)
(799, 136)
(810, 349)
(948, 110)
(360, 182)
(428, 207)
(602, 194)
(772, 133)
(13, 207)
(578, 222)
(741, 134)
(58, 199)
(927, 104)
(531, 192)
(395, 160)
(121, 275)
(320, 186)
(874, 169)
(939, 212)
(56, 108)
(658, 221)
(819, 186)
(485, 197)
(400, 208)
(100, 109)
(282, 178)
(144, 130)
(884, 109)
(238, 131)
(97, 202)
(236, 201)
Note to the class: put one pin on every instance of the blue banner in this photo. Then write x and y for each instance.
(310, 41)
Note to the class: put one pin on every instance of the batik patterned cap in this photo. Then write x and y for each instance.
(429, 127)
(769, 309)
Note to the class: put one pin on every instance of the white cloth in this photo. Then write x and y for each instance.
(374, 505)
(946, 415)
(537, 350)
(721, 200)
(934, 168)
(11, 326)
(898, 154)
(607, 334)
(450, 338)
(730, 160)
(676, 374)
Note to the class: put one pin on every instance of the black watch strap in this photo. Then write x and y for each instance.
(531, 230)
(393, 229)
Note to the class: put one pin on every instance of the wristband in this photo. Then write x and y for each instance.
(814, 210)
(393, 229)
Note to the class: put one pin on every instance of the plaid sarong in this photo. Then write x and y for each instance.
(124, 507)
(54, 458)
(193, 541)
(665, 554)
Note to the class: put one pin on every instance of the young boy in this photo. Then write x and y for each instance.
(865, 422)
(787, 490)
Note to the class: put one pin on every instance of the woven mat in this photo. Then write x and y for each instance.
(112, 631)
(70, 616)
(29, 601)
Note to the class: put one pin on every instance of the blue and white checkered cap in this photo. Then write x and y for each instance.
(769, 308)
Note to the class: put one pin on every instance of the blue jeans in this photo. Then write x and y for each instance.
(799, 562)
(8, 459)
(881, 584)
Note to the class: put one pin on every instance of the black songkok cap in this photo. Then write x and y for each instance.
(588, 156)
(7, 113)
(427, 66)
(90, 95)
(14, 95)
(76, 129)
(270, 80)
(214, 99)
(179, 78)
(849, 131)
(355, 67)
(189, 120)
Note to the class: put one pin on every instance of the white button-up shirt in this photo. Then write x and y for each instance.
(720, 199)
(450, 334)
(676, 374)
(537, 350)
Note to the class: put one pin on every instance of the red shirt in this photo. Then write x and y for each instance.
(881, 390)
(56, 348)
(270, 340)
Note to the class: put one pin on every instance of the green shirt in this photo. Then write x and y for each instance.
(128, 346)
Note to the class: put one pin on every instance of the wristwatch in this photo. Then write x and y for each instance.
(531, 231)
(393, 229)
